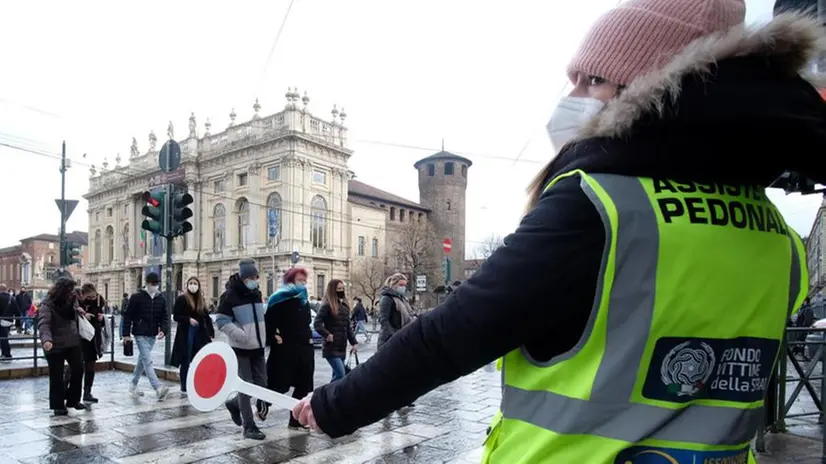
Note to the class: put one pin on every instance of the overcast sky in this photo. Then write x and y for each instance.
(483, 75)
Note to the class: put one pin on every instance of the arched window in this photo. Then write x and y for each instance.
(125, 241)
(219, 227)
(274, 205)
(98, 239)
(243, 209)
(110, 244)
(318, 222)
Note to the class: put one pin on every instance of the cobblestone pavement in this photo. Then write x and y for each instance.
(447, 425)
(125, 430)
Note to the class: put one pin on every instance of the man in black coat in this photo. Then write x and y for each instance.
(24, 302)
(9, 312)
(146, 319)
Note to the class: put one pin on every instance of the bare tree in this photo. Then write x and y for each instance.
(414, 251)
(488, 246)
(367, 276)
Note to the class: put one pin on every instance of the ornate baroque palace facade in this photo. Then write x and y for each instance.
(292, 162)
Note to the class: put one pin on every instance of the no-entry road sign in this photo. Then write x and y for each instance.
(447, 245)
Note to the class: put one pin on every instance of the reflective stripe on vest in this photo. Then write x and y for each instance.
(610, 411)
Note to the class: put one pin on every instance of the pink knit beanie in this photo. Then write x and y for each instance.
(639, 35)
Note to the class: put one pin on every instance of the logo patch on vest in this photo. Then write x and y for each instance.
(685, 369)
(651, 455)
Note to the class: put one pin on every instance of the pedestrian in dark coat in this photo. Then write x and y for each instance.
(9, 312)
(394, 309)
(333, 323)
(195, 328)
(61, 343)
(291, 361)
(92, 305)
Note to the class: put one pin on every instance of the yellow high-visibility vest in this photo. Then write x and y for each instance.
(697, 282)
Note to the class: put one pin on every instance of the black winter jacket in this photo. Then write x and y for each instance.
(338, 324)
(291, 320)
(145, 316)
(8, 307)
(181, 313)
(94, 349)
(705, 132)
(359, 313)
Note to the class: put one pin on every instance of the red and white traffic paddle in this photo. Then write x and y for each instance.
(213, 376)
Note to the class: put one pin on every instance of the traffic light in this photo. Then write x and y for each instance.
(72, 253)
(180, 213)
(153, 210)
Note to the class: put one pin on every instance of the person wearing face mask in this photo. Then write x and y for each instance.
(195, 328)
(333, 323)
(653, 243)
(146, 321)
(291, 361)
(60, 338)
(92, 305)
(394, 309)
(241, 318)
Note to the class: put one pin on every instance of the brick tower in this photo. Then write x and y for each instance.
(442, 188)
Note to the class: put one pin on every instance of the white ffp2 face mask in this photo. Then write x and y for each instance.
(193, 288)
(569, 116)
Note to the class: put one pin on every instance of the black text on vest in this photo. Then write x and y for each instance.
(748, 209)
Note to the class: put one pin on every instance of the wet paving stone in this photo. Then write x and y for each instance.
(458, 441)
(267, 453)
(78, 455)
(227, 459)
(305, 444)
(416, 455)
(37, 448)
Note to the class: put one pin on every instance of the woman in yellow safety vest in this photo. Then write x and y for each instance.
(640, 305)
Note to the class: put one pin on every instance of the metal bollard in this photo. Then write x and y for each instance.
(112, 342)
(781, 387)
(34, 349)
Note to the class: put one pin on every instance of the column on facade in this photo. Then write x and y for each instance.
(229, 200)
(197, 213)
(256, 211)
(292, 203)
(342, 218)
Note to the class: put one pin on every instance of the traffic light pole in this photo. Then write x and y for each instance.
(170, 297)
(170, 292)
(62, 238)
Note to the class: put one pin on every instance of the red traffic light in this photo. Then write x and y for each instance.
(147, 197)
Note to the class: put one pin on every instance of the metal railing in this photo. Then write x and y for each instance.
(20, 323)
(778, 404)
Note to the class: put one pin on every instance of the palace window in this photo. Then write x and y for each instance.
(219, 227)
(318, 222)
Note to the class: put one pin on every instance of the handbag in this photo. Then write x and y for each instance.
(348, 366)
(105, 336)
(128, 348)
(85, 328)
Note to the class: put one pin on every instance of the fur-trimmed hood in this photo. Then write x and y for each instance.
(788, 43)
(730, 108)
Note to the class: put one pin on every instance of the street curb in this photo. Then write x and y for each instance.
(24, 372)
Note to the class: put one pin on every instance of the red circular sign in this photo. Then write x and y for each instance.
(210, 376)
(447, 245)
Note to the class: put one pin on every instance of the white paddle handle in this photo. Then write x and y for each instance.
(276, 399)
